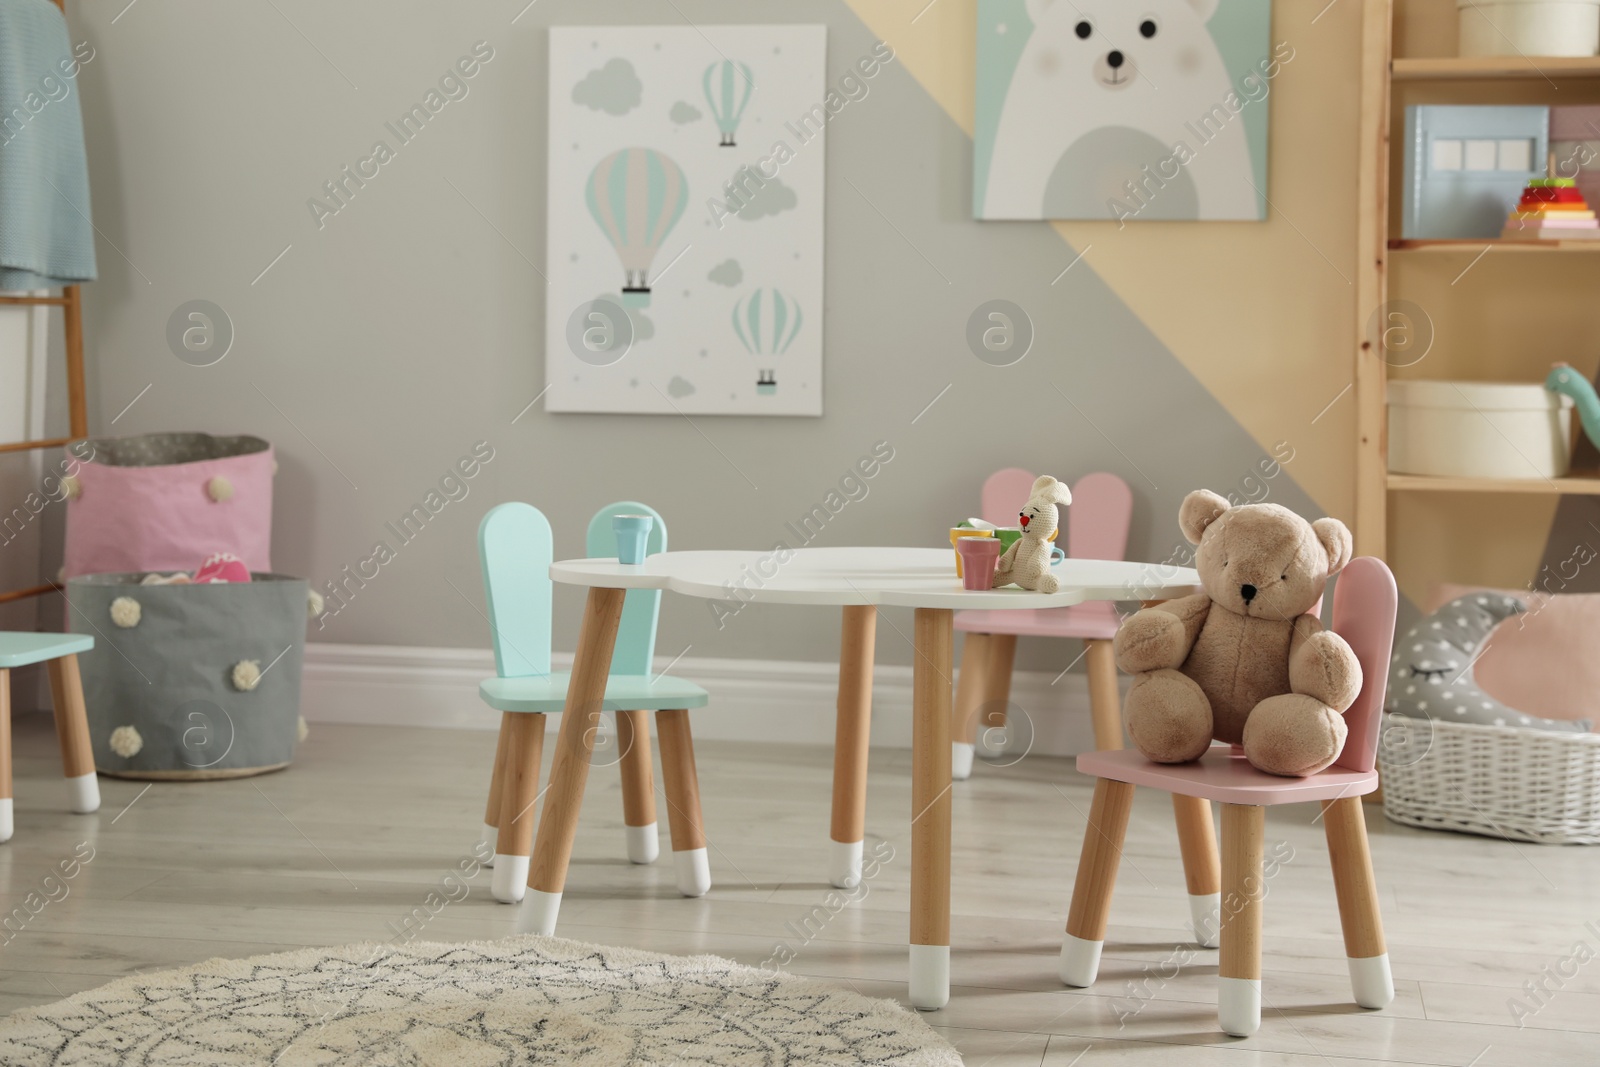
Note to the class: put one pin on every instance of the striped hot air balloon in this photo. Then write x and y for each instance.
(636, 195)
(728, 86)
(766, 322)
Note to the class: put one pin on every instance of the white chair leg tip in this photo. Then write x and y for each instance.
(930, 977)
(6, 824)
(1372, 981)
(844, 864)
(1080, 961)
(84, 793)
(1239, 1006)
(1205, 917)
(960, 760)
(538, 913)
(644, 843)
(510, 879)
(694, 871)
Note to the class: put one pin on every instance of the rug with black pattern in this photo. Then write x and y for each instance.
(513, 1003)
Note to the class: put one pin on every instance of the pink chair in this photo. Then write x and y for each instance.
(1097, 528)
(1363, 614)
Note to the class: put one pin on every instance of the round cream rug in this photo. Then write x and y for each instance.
(512, 1003)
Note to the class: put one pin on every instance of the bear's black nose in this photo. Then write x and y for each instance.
(1115, 59)
(1248, 592)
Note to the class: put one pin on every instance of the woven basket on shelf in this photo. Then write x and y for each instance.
(1498, 781)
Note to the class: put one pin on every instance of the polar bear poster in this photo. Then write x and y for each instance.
(1101, 109)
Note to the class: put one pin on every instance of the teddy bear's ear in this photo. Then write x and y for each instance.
(1336, 541)
(1047, 488)
(1200, 509)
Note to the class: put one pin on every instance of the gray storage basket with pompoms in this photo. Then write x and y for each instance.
(191, 681)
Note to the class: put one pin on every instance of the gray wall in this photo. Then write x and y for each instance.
(380, 348)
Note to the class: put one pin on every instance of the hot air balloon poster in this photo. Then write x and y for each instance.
(685, 220)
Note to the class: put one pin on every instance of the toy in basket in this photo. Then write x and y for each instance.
(1453, 757)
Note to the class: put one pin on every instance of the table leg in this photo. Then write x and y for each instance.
(569, 771)
(853, 733)
(930, 810)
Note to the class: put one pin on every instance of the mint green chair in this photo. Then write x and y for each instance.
(59, 654)
(516, 549)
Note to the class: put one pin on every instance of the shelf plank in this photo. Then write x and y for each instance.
(1583, 483)
(1495, 68)
(1476, 246)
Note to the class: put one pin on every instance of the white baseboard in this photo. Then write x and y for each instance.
(751, 700)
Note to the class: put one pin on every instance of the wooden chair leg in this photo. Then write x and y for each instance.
(852, 736)
(489, 840)
(1197, 840)
(519, 790)
(1105, 699)
(638, 786)
(682, 788)
(1097, 877)
(6, 824)
(1239, 965)
(971, 685)
(1345, 823)
(992, 734)
(569, 770)
(72, 730)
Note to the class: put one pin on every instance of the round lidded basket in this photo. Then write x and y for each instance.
(191, 681)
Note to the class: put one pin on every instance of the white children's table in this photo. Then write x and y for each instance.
(859, 580)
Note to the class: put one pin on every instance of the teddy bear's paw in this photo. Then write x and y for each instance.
(1293, 735)
(1168, 717)
(1150, 640)
(1326, 669)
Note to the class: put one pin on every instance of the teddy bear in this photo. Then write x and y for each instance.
(1243, 662)
(1027, 562)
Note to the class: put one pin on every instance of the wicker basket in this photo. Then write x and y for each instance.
(1498, 781)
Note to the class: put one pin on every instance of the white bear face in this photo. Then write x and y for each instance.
(1153, 45)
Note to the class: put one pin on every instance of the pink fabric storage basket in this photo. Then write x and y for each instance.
(149, 503)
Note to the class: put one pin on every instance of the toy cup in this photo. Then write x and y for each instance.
(979, 556)
(632, 532)
(957, 533)
(1010, 535)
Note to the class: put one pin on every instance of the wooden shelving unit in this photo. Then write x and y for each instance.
(1494, 68)
(1472, 80)
(1586, 483)
(1496, 246)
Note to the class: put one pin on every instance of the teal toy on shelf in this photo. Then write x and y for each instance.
(1568, 382)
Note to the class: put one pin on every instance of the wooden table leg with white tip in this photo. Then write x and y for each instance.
(852, 736)
(569, 771)
(930, 809)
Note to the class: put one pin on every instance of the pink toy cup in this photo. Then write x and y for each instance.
(978, 558)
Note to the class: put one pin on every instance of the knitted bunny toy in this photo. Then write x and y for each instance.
(1027, 561)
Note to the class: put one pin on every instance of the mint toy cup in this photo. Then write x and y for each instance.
(632, 532)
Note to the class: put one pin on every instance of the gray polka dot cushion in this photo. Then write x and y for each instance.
(1430, 676)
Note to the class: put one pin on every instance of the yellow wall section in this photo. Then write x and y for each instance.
(1263, 314)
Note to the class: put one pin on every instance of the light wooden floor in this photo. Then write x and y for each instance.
(351, 839)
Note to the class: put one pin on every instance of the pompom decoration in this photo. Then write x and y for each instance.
(246, 675)
(219, 489)
(126, 742)
(300, 729)
(72, 487)
(314, 603)
(125, 612)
